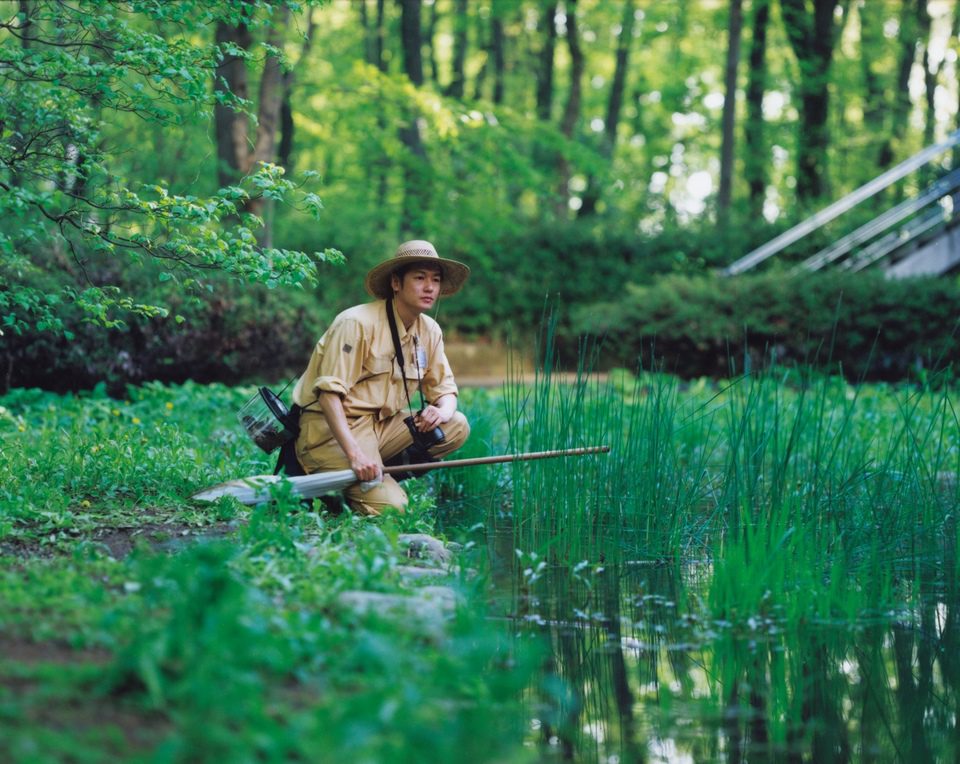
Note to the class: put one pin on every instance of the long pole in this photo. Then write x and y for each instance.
(525, 457)
(256, 489)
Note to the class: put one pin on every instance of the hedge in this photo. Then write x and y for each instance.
(237, 335)
(861, 325)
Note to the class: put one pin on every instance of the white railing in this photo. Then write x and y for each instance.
(824, 216)
(934, 193)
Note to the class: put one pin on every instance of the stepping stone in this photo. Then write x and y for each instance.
(418, 572)
(421, 546)
(427, 608)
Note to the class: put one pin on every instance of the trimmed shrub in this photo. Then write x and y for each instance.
(860, 325)
(240, 333)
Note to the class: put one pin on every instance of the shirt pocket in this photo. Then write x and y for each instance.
(375, 365)
(410, 372)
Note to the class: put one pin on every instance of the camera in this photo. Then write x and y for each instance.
(423, 440)
(416, 452)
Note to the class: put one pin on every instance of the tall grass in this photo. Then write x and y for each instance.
(796, 487)
(630, 502)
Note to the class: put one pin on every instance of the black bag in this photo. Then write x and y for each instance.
(287, 458)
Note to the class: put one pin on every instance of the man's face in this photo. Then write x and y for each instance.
(418, 289)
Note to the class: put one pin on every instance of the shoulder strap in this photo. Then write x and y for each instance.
(392, 320)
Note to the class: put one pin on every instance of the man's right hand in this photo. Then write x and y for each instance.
(365, 468)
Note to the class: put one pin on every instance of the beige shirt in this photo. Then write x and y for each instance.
(356, 359)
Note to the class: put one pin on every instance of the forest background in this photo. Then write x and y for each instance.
(193, 189)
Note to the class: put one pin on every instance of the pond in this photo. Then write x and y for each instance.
(760, 570)
(637, 670)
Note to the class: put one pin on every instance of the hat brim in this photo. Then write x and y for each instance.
(377, 282)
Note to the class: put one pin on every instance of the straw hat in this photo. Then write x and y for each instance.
(409, 253)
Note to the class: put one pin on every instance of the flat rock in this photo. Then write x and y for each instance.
(421, 546)
(417, 572)
(427, 606)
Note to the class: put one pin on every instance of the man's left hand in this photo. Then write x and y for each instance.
(428, 419)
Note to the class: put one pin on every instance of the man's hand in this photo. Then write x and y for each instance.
(437, 413)
(428, 419)
(364, 467)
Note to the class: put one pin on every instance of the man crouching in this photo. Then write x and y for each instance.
(364, 371)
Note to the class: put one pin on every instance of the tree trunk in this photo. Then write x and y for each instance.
(431, 48)
(232, 127)
(411, 38)
(367, 36)
(755, 155)
(415, 197)
(618, 86)
(900, 109)
(875, 106)
(571, 111)
(956, 150)
(546, 63)
(931, 75)
(497, 52)
(25, 8)
(735, 27)
(372, 33)
(461, 17)
(591, 195)
(381, 163)
(271, 95)
(287, 126)
(812, 37)
(378, 59)
(268, 120)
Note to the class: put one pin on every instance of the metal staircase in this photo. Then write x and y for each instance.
(920, 236)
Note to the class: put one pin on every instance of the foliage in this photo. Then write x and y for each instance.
(216, 632)
(218, 629)
(115, 219)
(69, 69)
(861, 324)
(236, 334)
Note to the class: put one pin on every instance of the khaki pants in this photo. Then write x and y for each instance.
(318, 451)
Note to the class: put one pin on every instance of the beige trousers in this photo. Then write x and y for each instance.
(318, 451)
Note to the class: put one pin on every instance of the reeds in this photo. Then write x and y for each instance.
(791, 513)
(797, 488)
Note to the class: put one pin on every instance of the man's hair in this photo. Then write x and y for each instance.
(403, 270)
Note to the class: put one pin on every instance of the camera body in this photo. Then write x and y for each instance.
(423, 440)
(417, 452)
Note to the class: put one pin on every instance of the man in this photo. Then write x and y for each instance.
(356, 388)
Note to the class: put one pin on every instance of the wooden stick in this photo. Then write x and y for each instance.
(529, 456)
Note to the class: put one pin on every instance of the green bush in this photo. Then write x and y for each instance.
(862, 325)
(238, 333)
(672, 310)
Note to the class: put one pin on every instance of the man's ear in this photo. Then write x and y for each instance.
(394, 282)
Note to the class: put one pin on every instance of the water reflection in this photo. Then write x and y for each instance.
(638, 672)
